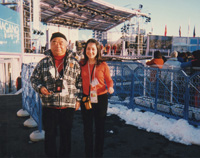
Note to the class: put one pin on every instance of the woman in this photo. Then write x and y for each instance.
(92, 65)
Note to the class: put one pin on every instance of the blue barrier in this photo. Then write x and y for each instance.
(30, 99)
(171, 93)
(121, 73)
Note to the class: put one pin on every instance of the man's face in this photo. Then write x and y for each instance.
(58, 46)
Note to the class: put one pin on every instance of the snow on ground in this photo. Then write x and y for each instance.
(179, 131)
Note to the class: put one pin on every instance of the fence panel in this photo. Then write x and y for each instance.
(194, 97)
(30, 99)
(172, 93)
(168, 92)
(121, 73)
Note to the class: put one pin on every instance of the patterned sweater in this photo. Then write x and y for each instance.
(45, 74)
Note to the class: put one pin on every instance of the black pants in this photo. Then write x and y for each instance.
(52, 119)
(97, 115)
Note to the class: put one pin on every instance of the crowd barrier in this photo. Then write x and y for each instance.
(171, 93)
(30, 99)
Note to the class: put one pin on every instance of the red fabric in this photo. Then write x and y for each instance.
(53, 107)
(101, 47)
(58, 61)
(16, 83)
(102, 74)
(115, 48)
(156, 63)
(108, 49)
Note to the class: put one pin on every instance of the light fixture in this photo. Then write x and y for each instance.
(140, 6)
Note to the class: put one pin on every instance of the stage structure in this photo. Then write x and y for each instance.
(71, 15)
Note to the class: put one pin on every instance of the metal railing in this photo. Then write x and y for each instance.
(171, 93)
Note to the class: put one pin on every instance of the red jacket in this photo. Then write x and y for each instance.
(102, 74)
(156, 63)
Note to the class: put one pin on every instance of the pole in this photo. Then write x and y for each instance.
(22, 29)
(147, 49)
(31, 27)
(138, 47)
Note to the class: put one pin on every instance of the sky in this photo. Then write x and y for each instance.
(169, 128)
(172, 13)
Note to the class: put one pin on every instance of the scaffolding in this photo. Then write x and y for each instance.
(27, 18)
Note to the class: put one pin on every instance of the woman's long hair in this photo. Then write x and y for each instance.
(98, 56)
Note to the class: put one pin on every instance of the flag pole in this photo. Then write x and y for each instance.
(188, 36)
(194, 33)
(165, 30)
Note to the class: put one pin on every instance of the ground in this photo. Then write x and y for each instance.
(121, 140)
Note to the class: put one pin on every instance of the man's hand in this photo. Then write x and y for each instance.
(44, 91)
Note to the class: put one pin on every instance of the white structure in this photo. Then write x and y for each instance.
(11, 56)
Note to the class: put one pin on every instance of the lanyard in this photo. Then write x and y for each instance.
(94, 69)
(91, 75)
(58, 68)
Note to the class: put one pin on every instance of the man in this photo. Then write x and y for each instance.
(57, 79)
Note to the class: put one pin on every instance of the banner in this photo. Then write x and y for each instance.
(160, 42)
(10, 31)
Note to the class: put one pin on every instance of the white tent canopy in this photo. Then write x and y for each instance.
(87, 14)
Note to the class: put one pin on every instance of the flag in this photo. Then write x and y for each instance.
(165, 30)
(194, 34)
(180, 31)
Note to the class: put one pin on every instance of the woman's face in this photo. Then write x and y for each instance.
(91, 51)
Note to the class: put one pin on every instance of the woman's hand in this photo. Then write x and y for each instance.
(110, 90)
(77, 106)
